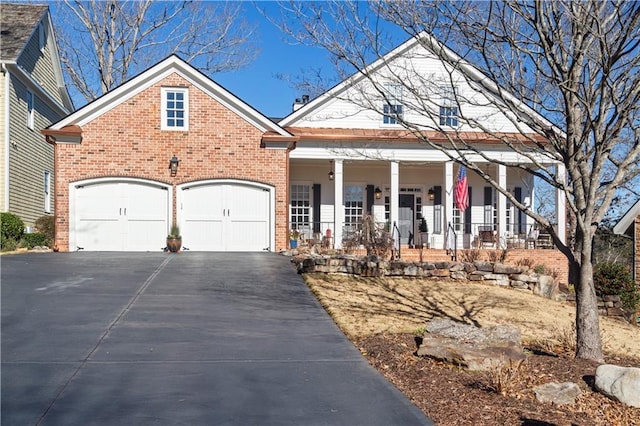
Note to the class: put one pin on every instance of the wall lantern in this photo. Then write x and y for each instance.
(173, 165)
(431, 194)
(378, 193)
(331, 174)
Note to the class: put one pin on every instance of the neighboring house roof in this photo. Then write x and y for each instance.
(625, 222)
(144, 80)
(432, 45)
(18, 23)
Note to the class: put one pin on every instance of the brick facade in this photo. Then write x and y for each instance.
(126, 141)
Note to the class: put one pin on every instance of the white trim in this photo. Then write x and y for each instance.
(47, 191)
(628, 219)
(157, 73)
(272, 200)
(338, 203)
(73, 186)
(7, 144)
(34, 86)
(415, 153)
(163, 108)
(501, 201)
(31, 110)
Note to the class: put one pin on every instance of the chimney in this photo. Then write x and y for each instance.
(300, 102)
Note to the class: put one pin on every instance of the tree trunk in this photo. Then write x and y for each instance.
(588, 341)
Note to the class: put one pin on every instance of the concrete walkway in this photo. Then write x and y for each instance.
(187, 339)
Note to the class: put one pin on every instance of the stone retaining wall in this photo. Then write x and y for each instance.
(518, 277)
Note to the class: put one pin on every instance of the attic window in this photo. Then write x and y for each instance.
(175, 108)
(448, 106)
(392, 108)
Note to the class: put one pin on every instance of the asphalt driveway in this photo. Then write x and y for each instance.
(187, 339)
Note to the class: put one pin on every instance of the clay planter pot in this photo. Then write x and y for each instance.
(174, 244)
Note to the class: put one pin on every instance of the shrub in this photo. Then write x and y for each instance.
(34, 240)
(612, 278)
(46, 225)
(11, 230)
(541, 269)
(470, 256)
(9, 245)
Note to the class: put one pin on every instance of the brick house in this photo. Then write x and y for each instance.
(242, 181)
(32, 96)
(629, 224)
(116, 190)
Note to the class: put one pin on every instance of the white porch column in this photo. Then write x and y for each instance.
(338, 204)
(532, 206)
(448, 198)
(561, 206)
(394, 196)
(502, 202)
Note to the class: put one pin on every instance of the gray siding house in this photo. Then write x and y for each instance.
(32, 97)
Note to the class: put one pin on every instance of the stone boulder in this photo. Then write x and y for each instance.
(557, 393)
(619, 383)
(471, 347)
(546, 286)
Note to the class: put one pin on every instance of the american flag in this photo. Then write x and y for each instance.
(461, 190)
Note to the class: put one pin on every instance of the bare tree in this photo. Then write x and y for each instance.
(103, 43)
(565, 73)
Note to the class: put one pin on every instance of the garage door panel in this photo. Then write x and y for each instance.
(203, 235)
(146, 235)
(91, 235)
(236, 217)
(139, 200)
(99, 202)
(121, 216)
(249, 203)
(248, 236)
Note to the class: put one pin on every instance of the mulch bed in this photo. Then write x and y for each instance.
(452, 396)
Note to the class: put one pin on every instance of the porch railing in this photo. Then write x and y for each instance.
(468, 235)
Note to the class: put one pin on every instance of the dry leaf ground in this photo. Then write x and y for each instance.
(383, 315)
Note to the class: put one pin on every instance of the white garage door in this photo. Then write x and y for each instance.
(121, 216)
(225, 217)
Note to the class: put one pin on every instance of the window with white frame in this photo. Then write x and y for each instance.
(175, 108)
(457, 219)
(448, 106)
(300, 208)
(392, 107)
(30, 109)
(47, 192)
(353, 206)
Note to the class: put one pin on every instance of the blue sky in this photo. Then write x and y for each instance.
(258, 84)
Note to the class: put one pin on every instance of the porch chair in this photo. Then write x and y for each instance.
(486, 236)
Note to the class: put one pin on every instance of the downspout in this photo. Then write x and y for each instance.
(7, 144)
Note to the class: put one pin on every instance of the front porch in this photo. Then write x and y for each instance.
(414, 201)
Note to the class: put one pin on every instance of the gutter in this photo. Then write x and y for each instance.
(7, 80)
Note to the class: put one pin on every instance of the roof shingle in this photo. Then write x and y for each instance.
(17, 24)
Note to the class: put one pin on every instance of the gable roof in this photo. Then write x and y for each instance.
(156, 73)
(432, 45)
(628, 219)
(18, 22)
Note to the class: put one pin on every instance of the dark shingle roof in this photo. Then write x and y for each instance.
(17, 23)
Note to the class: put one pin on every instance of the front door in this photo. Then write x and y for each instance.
(405, 218)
